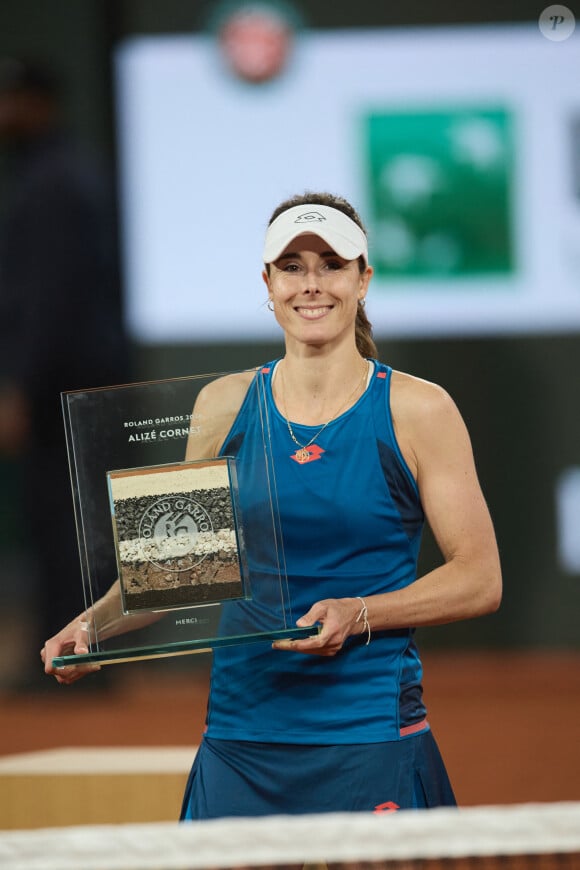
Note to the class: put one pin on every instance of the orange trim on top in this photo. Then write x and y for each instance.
(413, 729)
(265, 370)
(381, 374)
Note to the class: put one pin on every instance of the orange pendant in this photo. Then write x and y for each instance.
(307, 454)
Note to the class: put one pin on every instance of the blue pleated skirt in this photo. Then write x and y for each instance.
(239, 778)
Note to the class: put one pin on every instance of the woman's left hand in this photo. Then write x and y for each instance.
(338, 617)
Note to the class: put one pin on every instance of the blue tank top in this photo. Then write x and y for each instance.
(351, 522)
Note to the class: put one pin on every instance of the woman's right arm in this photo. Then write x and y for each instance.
(106, 618)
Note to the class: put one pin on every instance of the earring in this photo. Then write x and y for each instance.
(362, 302)
(270, 305)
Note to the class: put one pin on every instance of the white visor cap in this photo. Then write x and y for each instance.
(340, 232)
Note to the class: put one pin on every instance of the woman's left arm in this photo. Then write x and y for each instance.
(437, 447)
(468, 583)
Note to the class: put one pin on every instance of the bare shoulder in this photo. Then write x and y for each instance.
(426, 419)
(227, 392)
(216, 408)
(415, 399)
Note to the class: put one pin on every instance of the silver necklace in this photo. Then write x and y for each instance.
(302, 455)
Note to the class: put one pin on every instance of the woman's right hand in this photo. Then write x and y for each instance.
(72, 639)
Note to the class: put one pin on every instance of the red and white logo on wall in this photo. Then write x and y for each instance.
(256, 40)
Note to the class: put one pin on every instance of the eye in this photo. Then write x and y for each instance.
(291, 267)
(333, 264)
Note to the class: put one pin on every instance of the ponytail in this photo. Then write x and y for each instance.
(363, 333)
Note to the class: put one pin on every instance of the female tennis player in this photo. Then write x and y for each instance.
(364, 455)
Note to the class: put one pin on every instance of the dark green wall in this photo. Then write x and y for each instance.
(73, 36)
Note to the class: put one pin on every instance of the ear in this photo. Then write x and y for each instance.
(266, 280)
(365, 280)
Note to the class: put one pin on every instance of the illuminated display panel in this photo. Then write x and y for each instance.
(460, 147)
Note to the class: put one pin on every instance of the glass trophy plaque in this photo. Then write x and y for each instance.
(177, 517)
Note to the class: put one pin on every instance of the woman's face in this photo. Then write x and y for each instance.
(315, 292)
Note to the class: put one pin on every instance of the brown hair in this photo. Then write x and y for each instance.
(362, 327)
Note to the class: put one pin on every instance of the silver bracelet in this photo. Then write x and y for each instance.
(364, 615)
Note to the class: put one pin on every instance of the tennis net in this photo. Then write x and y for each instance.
(512, 837)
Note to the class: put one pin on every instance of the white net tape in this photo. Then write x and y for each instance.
(528, 829)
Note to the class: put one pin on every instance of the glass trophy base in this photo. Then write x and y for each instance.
(186, 647)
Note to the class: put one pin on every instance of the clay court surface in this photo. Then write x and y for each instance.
(508, 724)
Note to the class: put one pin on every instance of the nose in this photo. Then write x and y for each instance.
(311, 281)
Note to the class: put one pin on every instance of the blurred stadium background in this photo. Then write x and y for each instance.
(493, 315)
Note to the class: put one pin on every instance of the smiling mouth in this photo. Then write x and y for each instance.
(313, 313)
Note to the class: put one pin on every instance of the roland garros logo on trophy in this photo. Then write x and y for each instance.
(173, 529)
(176, 535)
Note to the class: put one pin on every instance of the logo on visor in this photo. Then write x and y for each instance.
(309, 217)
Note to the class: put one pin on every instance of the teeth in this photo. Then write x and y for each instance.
(314, 312)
